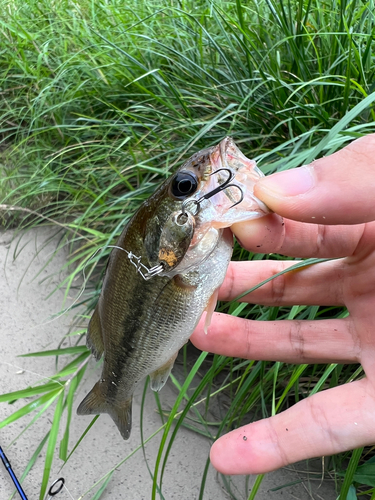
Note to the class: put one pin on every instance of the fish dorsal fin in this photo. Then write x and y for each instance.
(160, 376)
(210, 309)
(94, 337)
(119, 410)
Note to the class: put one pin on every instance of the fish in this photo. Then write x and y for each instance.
(164, 272)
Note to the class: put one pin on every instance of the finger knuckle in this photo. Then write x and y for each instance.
(277, 287)
(322, 424)
(297, 339)
(320, 239)
(228, 288)
(281, 450)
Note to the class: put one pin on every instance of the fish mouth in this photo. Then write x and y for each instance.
(236, 174)
(224, 146)
(231, 157)
(218, 157)
(222, 184)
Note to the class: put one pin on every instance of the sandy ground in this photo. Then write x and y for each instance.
(29, 272)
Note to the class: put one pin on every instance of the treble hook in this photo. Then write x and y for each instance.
(226, 184)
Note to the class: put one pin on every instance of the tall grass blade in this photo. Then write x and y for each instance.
(52, 438)
(341, 125)
(32, 460)
(171, 417)
(348, 479)
(81, 438)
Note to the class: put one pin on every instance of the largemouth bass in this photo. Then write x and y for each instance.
(169, 262)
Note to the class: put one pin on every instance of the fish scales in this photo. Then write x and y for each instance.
(139, 325)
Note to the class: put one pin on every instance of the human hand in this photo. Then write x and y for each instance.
(329, 211)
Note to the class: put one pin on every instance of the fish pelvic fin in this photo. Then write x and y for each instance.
(120, 411)
(160, 376)
(94, 336)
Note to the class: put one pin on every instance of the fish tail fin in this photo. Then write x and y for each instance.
(122, 417)
(120, 411)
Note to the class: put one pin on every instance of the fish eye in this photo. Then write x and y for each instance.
(184, 184)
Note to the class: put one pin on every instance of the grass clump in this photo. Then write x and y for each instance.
(100, 101)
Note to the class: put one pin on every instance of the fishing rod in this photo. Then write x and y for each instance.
(55, 487)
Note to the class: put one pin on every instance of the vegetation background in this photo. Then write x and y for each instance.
(101, 100)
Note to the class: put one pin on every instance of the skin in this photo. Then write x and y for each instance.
(329, 211)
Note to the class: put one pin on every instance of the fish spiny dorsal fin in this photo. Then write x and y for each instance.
(160, 376)
(120, 411)
(94, 337)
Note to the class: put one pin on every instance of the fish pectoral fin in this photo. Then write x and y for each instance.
(94, 337)
(210, 309)
(160, 376)
(120, 410)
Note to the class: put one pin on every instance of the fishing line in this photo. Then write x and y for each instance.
(71, 496)
(32, 373)
(80, 293)
(150, 272)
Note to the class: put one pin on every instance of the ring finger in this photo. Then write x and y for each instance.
(325, 341)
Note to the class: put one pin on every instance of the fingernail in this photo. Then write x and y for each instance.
(288, 183)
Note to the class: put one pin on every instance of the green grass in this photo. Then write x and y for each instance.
(100, 101)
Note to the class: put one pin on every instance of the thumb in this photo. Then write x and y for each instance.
(337, 189)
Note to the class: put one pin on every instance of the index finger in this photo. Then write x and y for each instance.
(297, 239)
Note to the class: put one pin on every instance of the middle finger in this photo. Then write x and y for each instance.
(318, 284)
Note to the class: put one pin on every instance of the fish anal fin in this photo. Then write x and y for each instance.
(160, 376)
(94, 337)
(210, 309)
(94, 403)
(120, 411)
